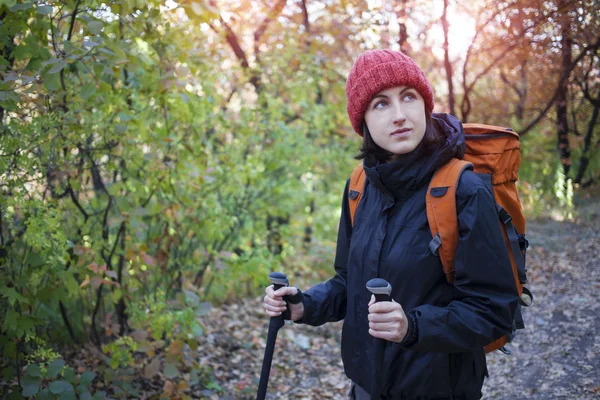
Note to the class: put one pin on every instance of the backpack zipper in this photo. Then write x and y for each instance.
(489, 136)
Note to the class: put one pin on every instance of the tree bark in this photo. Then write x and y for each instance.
(400, 11)
(585, 156)
(447, 63)
(562, 121)
(6, 54)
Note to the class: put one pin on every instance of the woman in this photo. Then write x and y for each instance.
(436, 330)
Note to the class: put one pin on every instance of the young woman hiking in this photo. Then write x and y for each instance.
(436, 331)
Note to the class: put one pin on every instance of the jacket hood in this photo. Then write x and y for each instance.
(402, 177)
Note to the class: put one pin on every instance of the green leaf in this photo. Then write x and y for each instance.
(58, 387)
(68, 396)
(101, 395)
(197, 330)
(86, 378)
(30, 390)
(95, 27)
(34, 370)
(10, 320)
(55, 368)
(30, 380)
(58, 67)
(120, 128)
(203, 308)
(194, 378)
(85, 396)
(19, 7)
(12, 295)
(69, 374)
(124, 116)
(14, 396)
(88, 90)
(51, 82)
(44, 394)
(44, 10)
(170, 371)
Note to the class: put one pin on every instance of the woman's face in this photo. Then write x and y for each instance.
(396, 119)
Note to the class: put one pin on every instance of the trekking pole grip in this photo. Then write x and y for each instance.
(381, 289)
(279, 280)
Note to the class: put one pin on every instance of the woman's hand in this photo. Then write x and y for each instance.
(387, 320)
(274, 304)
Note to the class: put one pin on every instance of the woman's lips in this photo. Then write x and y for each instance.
(401, 133)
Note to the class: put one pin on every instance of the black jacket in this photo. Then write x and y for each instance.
(444, 356)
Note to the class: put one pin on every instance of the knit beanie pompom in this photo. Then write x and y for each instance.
(376, 70)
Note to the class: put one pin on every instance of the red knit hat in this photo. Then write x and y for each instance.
(376, 70)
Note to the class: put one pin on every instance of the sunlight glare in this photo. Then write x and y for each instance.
(460, 32)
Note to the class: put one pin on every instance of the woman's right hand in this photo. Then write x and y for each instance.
(275, 305)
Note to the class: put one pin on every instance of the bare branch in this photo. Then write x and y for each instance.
(271, 15)
(561, 82)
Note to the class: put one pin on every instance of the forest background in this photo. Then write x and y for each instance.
(159, 158)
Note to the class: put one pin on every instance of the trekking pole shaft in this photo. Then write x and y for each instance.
(279, 280)
(382, 291)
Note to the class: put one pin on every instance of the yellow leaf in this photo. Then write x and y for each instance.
(152, 369)
(85, 282)
(175, 347)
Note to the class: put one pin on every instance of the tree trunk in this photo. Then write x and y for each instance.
(585, 156)
(520, 109)
(400, 11)
(447, 63)
(308, 230)
(5, 53)
(562, 123)
(274, 240)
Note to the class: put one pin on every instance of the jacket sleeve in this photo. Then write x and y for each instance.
(326, 302)
(484, 292)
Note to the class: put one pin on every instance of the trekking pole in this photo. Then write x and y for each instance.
(383, 292)
(279, 280)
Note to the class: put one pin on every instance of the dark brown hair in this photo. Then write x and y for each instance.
(370, 149)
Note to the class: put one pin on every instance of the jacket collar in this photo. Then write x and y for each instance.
(411, 171)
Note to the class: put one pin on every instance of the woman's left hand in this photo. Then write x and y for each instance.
(387, 320)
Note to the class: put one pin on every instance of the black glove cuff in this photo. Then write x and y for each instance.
(412, 334)
(294, 299)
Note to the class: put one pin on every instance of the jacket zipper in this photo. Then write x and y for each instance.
(451, 374)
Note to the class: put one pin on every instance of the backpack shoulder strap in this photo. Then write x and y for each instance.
(355, 191)
(441, 212)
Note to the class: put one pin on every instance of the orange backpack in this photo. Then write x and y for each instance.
(494, 153)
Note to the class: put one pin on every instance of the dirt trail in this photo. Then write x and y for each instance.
(557, 356)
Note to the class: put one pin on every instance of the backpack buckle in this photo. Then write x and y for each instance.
(435, 244)
(523, 242)
(504, 216)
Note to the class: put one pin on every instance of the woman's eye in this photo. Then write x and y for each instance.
(380, 104)
(409, 97)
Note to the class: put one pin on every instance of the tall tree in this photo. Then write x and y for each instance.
(447, 62)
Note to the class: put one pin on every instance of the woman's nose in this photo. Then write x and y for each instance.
(399, 116)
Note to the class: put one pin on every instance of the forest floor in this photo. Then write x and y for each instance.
(557, 356)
